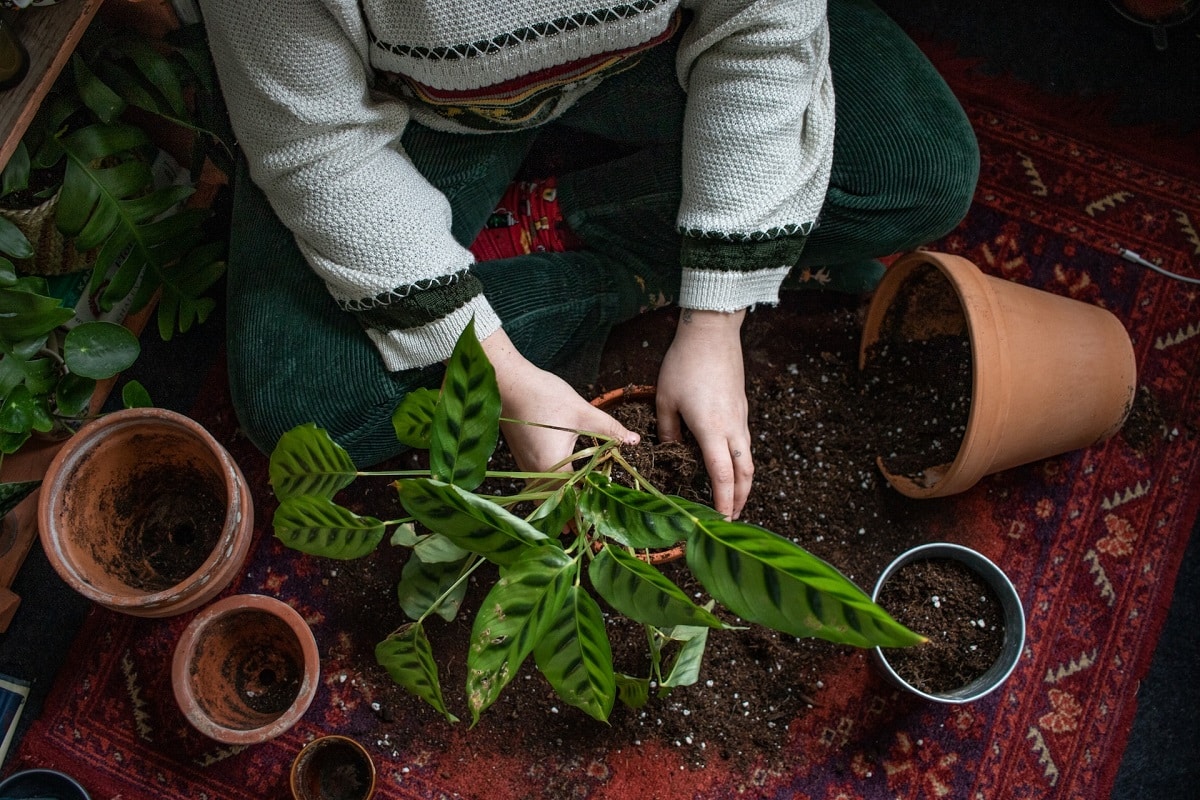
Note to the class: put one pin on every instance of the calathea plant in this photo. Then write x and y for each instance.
(555, 567)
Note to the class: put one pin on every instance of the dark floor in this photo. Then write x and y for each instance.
(1074, 48)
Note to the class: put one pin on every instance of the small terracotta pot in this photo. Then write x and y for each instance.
(245, 669)
(333, 768)
(608, 401)
(1010, 604)
(1050, 374)
(144, 512)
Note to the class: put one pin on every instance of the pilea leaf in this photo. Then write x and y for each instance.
(408, 659)
(320, 527)
(413, 418)
(466, 420)
(576, 657)
(473, 523)
(513, 618)
(767, 579)
(642, 593)
(422, 584)
(634, 519)
(306, 461)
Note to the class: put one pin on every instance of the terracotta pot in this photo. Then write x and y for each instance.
(245, 669)
(1010, 604)
(144, 512)
(608, 401)
(1050, 374)
(333, 768)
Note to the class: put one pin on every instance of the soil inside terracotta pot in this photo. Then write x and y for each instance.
(336, 771)
(172, 519)
(952, 606)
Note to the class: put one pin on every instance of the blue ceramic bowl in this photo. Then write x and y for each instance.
(41, 783)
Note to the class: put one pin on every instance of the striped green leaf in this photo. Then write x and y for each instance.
(642, 593)
(473, 523)
(437, 549)
(685, 670)
(554, 514)
(422, 584)
(515, 615)
(633, 692)
(320, 527)
(466, 421)
(408, 659)
(413, 418)
(766, 579)
(576, 657)
(633, 518)
(306, 461)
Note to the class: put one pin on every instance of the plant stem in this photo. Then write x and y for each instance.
(472, 564)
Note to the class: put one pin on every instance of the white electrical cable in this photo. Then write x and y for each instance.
(1133, 257)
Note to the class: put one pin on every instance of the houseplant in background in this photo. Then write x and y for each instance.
(578, 540)
(91, 187)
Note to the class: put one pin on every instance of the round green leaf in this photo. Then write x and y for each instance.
(100, 349)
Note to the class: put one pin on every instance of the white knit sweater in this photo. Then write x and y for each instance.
(311, 87)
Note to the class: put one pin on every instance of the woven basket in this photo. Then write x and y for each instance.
(53, 253)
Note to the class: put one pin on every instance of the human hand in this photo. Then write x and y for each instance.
(702, 383)
(531, 394)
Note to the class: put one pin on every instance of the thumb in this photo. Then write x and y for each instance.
(604, 423)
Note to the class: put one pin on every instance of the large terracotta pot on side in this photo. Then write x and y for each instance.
(1050, 374)
(144, 512)
(245, 669)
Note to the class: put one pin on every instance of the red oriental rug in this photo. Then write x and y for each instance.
(1092, 540)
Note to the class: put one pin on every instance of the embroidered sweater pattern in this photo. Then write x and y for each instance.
(319, 103)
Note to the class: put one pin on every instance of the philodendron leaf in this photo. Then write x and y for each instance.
(473, 523)
(576, 657)
(306, 461)
(767, 579)
(320, 527)
(513, 618)
(408, 659)
(100, 349)
(422, 584)
(635, 519)
(413, 418)
(642, 593)
(466, 421)
(11, 494)
(12, 242)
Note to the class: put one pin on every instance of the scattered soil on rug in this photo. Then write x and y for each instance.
(815, 421)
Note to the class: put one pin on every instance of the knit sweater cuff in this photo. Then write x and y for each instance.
(412, 348)
(723, 275)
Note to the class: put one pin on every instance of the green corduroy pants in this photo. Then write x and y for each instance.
(904, 170)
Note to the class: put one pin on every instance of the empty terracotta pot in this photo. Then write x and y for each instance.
(1049, 374)
(144, 512)
(245, 669)
(333, 768)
